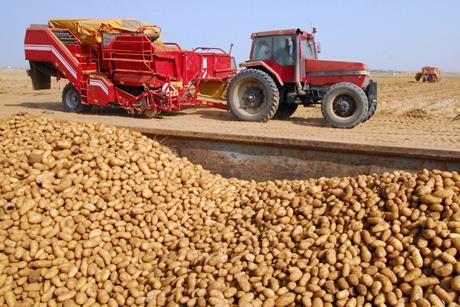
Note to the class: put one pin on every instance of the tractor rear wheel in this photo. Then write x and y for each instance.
(253, 96)
(71, 100)
(285, 110)
(345, 105)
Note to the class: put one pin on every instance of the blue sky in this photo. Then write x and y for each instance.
(391, 34)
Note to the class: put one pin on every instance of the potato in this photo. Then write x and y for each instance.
(455, 283)
(99, 215)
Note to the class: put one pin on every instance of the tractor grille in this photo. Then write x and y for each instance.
(65, 36)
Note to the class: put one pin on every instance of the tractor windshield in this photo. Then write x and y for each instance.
(308, 50)
(278, 48)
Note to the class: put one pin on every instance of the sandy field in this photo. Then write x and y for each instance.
(410, 113)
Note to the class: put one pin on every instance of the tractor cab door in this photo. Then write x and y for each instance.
(278, 52)
(284, 50)
(308, 52)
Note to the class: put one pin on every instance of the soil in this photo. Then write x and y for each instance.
(410, 113)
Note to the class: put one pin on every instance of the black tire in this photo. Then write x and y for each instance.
(253, 96)
(371, 110)
(345, 105)
(71, 100)
(285, 110)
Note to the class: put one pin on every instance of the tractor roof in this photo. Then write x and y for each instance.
(281, 32)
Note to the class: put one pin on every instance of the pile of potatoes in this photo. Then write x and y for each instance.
(97, 216)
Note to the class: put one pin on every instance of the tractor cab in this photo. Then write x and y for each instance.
(281, 50)
(281, 45)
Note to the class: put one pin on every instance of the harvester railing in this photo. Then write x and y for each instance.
(210, 49)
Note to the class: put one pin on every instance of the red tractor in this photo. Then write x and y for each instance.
(123, 63)
(284, 72)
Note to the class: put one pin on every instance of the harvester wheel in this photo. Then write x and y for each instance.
(253, 96)
(345, 105)
(285, 110)
(71, 100)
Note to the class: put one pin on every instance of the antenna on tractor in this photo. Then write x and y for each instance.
(313, 28)
(231, 48)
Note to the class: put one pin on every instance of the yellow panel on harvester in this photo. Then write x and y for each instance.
(91, 31)
(213, 89)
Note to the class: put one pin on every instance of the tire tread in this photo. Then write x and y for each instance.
(352, 87)
(371, 111)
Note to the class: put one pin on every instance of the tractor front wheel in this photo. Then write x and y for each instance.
(71, 100)
(371, 110)
(253, 96)
(345, 105)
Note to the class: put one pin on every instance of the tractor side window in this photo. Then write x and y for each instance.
(262, 49)
(308, 51)
(284, 50)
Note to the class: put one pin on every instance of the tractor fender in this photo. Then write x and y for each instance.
(262, 64)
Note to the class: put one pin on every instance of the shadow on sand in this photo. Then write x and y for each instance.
(203, 113)
(311, 122)
(48, 107)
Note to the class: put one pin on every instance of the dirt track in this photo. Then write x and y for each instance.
(409, 114)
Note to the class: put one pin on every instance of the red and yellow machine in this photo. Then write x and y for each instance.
(123, 62)
(429, 74)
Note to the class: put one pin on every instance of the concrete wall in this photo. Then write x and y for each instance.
(265, 159)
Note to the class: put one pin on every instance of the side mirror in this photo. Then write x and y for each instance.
(318, 48)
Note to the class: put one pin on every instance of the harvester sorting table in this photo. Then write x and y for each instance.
(124, 63)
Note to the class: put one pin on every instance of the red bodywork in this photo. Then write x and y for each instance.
(324, 72)
(314, 72)
(163, 80)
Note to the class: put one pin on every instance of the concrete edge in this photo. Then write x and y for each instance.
(442, 154)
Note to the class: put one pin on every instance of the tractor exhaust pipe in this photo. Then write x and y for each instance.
(299, 89)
